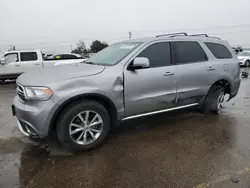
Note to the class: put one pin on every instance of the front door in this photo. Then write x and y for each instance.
(11, 65)
(154, 88)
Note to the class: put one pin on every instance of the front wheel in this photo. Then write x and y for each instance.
(83, 126)
(214, 101)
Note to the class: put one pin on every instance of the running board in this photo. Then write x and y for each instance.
(160, 111)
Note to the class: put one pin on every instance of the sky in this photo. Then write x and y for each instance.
(57, 25)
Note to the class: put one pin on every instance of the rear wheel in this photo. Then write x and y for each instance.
(83, 126)
(214, 100)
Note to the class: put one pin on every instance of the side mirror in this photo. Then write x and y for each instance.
(139, 63)
(2, 62)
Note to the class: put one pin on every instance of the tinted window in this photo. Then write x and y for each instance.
(28, 56)
(219, 51)
(158, 54)
(68, 56)
(189, 52)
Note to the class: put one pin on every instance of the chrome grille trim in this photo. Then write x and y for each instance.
(21, 93)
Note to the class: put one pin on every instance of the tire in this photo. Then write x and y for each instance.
(247, 63)
(70, 118)
(213, 102)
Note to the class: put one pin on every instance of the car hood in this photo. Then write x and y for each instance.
(242, 57)
(47, 76)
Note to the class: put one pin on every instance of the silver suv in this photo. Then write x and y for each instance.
(126, 80)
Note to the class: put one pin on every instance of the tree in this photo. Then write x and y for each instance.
(80, 48)
(97, 46)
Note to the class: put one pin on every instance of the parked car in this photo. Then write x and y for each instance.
(126, 80)
(18, 62)
(64, 56)
(244, 58)
(64, 59)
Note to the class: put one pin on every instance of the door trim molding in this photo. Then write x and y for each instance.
(160, 111)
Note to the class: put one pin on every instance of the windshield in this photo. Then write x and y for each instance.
(244, 54)
(113, 54)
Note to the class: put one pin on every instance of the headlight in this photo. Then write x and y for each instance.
(38, 93)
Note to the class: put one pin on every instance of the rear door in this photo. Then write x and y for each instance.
(29, 61)
(154, 88)
(195, 72)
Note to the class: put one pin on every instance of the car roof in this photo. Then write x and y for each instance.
(67, 54)
(18, 51)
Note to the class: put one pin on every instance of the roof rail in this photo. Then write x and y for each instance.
(205, 35)
(173, 34)
(216, 38)
(185, 34)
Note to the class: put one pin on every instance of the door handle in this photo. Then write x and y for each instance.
(37, 63)
(17, 65)
(210, 69)
(168, 74)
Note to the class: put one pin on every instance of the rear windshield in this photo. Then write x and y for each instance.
(219, 51)
(113, 54)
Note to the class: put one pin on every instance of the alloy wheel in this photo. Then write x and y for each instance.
(220, 103)
(86, 127)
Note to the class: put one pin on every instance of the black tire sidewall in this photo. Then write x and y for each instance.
(211, 101)
(66, 118)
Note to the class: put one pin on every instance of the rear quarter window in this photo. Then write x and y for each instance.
(219, 51)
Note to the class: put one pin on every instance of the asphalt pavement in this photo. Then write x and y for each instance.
(178, 149)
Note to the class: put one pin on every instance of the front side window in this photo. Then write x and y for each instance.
(219, 51)
(28, 56)
(189, 52)
(159, 54)
(11, 58)
(113, 54)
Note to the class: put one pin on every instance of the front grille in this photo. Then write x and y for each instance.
(21, 93)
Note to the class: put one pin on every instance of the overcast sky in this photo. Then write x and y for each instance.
(56, 24)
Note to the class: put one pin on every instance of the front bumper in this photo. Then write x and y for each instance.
(33, 117)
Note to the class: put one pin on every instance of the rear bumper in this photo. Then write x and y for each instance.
(235, 88)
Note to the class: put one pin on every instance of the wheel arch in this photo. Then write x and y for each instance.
(104, 100)
(225, 83)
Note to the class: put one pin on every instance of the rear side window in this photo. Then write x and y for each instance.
(189, 52)
(28, 56)
(159, 54)
(219, 51)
